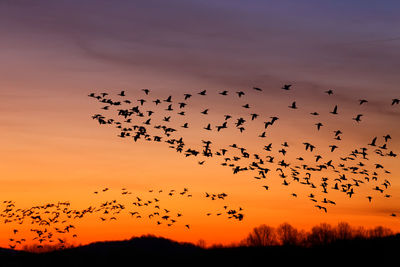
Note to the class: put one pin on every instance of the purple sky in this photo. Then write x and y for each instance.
(352, 44)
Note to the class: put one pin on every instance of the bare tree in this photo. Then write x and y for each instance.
(322, 234)
(287, 235)
(344, 231)
(262, 236)
(360, 233)
(379, 232)
(201, 243)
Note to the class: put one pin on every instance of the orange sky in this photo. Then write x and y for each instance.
(53, 151)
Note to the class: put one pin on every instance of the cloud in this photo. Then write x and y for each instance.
(229, 43)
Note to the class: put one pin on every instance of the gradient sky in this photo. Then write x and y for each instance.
(53, 53)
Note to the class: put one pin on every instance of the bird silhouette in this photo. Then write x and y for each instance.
(293, 105)
(373, 142)
(334, 111)
(286, 86)
(240, 93)
(358, 117)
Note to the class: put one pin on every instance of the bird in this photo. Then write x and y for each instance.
(253, 116)
(334, 111)
(240, 93)
(395, 101)
(358, 117)
(223, 126)
(387, 137)
(208, 127)
(329, 92)
(227, 117)
(293, 106)
(337, 132)
(273, 119)
(373, 142)
(333, 147)
(286, 86)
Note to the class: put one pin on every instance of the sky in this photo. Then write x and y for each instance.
(54, 53)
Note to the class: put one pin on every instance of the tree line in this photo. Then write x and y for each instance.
(322, 234)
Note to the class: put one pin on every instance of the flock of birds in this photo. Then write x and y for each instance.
(152, 119)
(56, 223)
(137, 120)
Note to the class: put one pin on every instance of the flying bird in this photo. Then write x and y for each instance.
(293, 106)
(358, 117)
(334, 111)
(240, 93)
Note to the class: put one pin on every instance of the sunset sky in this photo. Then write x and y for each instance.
(54, 53)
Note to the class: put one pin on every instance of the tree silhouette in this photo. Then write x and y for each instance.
(344, 231)
(262, 236)
(288, 235)
(320, 235)
(379, 232)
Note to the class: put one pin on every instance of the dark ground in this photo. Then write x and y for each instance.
(152, 251)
